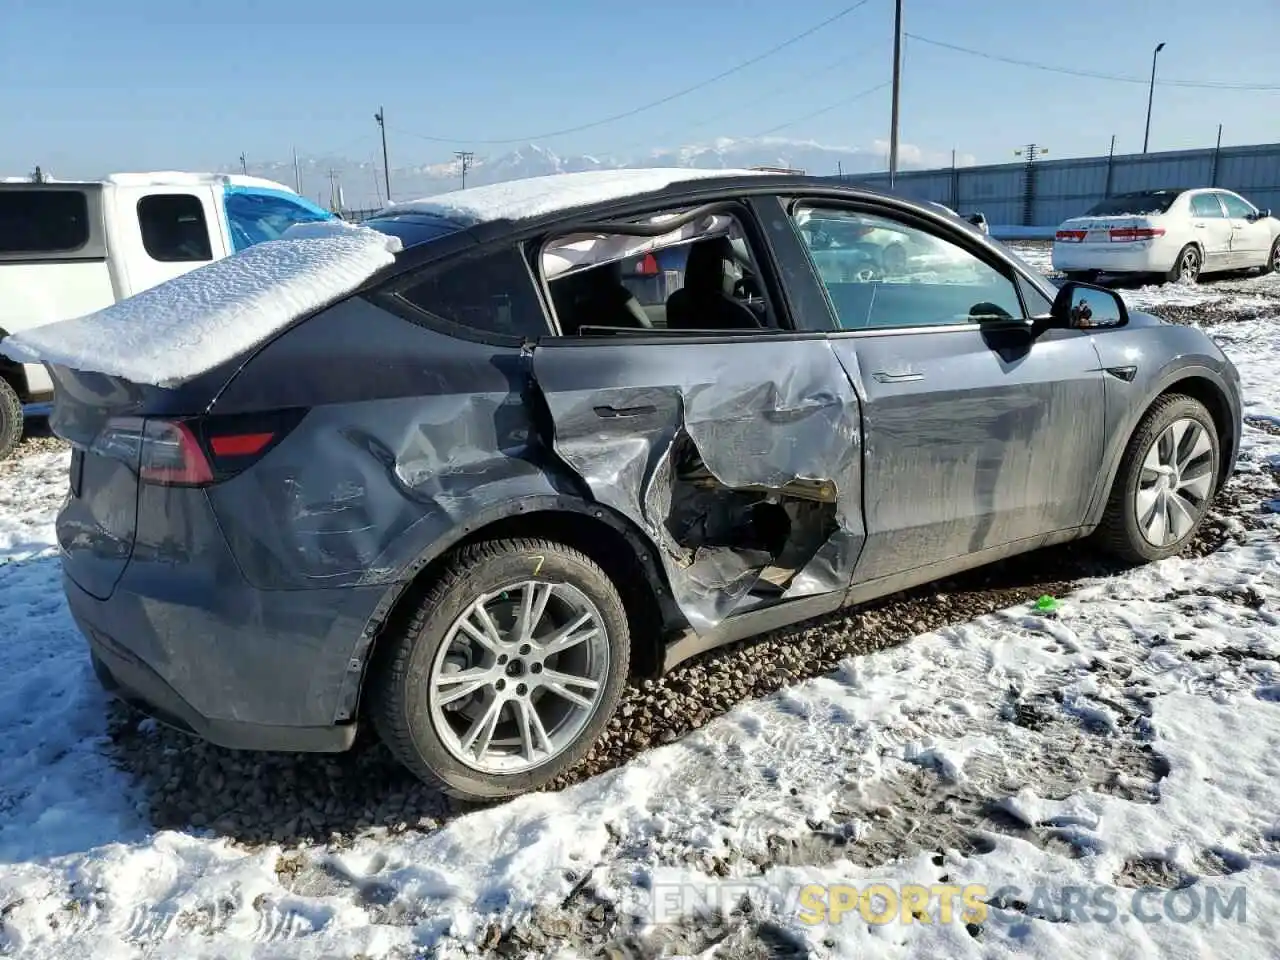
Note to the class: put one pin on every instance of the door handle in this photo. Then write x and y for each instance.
(882, 377)
(1200, 226)
(615, 413)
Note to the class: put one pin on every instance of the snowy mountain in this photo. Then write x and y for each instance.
(362, 181)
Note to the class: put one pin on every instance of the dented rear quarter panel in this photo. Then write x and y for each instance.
(410, 436)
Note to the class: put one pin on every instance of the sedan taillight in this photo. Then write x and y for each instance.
(1071, 236)
(1130, 234)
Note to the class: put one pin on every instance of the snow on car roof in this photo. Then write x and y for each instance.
(178, 178)
(195, 322)
(535, 196)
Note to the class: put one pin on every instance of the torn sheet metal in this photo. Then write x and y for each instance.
(737, 459)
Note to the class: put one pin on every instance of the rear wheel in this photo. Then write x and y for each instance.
(508, 671)
(10, 419)
(1273, 260)
(1186, 268)
(1165, 483)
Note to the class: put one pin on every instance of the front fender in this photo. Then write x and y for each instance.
(1205, 373)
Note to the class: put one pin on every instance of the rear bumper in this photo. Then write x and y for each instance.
(191, 668)
(1148, 257)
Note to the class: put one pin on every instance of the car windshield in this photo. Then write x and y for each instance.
(1135, 204)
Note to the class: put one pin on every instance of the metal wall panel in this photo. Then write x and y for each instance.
(1067, 188)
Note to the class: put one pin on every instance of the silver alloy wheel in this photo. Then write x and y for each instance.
(519, 676)
(1189, 265)
(1175, 483)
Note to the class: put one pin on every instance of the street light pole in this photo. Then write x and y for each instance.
(897, 83)
(1151, 93)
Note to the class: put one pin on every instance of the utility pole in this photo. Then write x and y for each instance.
(244, 165)
(897, 85)
(335, 192)
(380, 116)
(1111, 159)
(1033, 152)
(1151, 93)
(955, 183)
(1213, 176)
(464, 164)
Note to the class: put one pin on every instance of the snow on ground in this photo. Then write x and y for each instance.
(1104, 776)
(194, 322)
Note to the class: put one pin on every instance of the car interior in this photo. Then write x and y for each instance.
(719, 290)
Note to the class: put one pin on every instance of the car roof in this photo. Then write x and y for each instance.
(471, 216)
(554, 193)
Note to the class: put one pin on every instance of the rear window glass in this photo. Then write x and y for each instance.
(1135, 204)
(493, 293)
(43, 221)
(173, 228)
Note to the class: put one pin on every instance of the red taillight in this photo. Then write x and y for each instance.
(172, 456)
(240, 444)
(193, 452)
(1130, 234)
(1070, 236)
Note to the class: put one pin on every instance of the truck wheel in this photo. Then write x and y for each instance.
(1165, 483)
(1187, 267)
(507, 671)
(10, 419)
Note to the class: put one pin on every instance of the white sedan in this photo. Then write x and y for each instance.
(1179, 234)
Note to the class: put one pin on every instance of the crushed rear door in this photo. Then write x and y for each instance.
(740, 458)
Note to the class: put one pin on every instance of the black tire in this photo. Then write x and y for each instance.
(1273, 261)
(10, 419)
(1189, 263)
(1120, 532)
(400, 684)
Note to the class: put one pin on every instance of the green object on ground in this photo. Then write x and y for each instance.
(1046, 604)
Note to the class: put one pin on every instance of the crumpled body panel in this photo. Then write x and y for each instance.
(741, 460)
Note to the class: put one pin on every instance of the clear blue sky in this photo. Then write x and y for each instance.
(133, 84)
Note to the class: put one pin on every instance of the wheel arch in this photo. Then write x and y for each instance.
(1200, 383)
(625, 553)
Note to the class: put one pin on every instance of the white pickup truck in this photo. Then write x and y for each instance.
(70, 248)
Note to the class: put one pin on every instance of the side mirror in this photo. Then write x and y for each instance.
(1084, 306)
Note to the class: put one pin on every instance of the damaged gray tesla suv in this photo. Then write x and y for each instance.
(559, 443)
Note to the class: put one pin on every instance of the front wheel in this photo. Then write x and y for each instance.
(10, 419)
(1273, 260)
(1186, 268)
(1165, 483)
(507, 673)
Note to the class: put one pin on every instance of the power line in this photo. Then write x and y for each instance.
(826, 109)
(659, 102)
(1092, 74)
(755, 102)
